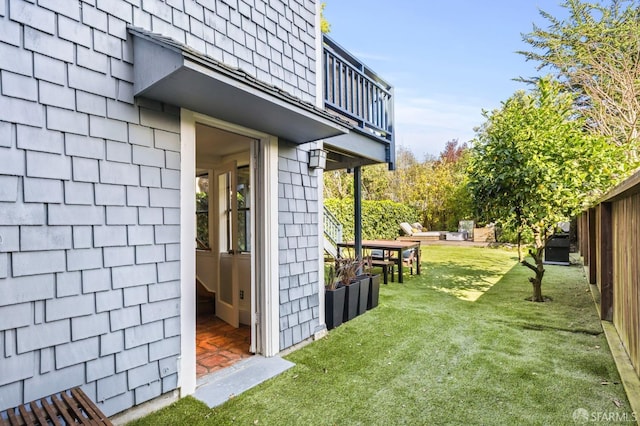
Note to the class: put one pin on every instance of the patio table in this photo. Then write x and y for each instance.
(399, 246)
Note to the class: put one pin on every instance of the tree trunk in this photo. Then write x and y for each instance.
(537, 290)
(519, 225)
(520, 256)
(538, 268)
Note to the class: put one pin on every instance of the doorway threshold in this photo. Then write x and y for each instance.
(215, 389)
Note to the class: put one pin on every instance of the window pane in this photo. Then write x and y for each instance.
(244, 230)
(244, 206)
(226, 228)
(202, 212)
(244, 180)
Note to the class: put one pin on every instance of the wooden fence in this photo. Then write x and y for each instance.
(609, 240)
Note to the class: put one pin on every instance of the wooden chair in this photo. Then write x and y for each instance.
(408, 259)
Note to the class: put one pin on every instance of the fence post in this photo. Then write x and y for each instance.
(606, 262)
(592, 246)
(585, 233)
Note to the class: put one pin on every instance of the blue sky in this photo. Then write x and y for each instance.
(447, 60)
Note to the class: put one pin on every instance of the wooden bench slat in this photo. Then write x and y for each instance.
(4, 422)
(38, 413)
(26, 416)
(87, 406)
(73, 407)
(61, 409)
(84, 407)
(53, 417)
(83, 403)
(90, 407)
(385, 264)
(12, 417)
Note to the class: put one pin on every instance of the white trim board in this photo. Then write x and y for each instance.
(187, 359)
(267, 305)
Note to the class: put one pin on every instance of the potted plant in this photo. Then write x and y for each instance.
(374, 286)
(333, 299)
(365, 286)
(364, 293)
(347, 270)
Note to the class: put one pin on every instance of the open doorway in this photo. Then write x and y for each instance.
(225, 284)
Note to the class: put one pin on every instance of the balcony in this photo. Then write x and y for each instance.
(355, 93)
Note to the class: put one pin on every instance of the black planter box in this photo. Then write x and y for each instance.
(334, 307)
(374, 291)
(351, 296)
(364, 293)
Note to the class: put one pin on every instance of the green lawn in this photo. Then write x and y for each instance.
(455, 345)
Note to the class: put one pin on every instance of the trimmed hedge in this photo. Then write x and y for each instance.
(380, 219)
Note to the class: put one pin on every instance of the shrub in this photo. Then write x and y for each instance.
(507, 233)
(380, 219)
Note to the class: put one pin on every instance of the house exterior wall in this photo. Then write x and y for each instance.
(89, 189)
(298, 208)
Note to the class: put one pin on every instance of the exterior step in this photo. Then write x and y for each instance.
(217, 388)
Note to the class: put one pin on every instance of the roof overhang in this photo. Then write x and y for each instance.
(170, 72)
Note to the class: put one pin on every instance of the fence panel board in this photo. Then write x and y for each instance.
(626, 294)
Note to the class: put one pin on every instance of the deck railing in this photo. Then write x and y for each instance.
(356, 93)
(332, 232)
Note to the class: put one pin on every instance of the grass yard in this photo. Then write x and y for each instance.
(455, 345)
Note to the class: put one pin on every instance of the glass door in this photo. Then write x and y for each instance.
(228, 295)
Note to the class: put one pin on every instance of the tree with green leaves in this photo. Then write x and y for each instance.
(445, 191)
(532, 163)
(325, 26)
(595, 52)
(435, 187)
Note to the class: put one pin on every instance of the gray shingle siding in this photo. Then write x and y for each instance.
(298, 246)
(89, 199)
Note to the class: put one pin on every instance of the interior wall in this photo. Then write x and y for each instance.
(244, 281)
(206, 269)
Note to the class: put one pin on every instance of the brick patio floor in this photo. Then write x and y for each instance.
(219, 345)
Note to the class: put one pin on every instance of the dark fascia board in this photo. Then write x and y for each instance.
(170, 72)
(357, 148)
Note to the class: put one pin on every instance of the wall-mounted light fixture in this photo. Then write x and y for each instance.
(317, 159)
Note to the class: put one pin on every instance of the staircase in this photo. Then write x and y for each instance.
(332, 233)
(205, 299)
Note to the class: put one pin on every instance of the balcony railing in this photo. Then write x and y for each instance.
(356, 93)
